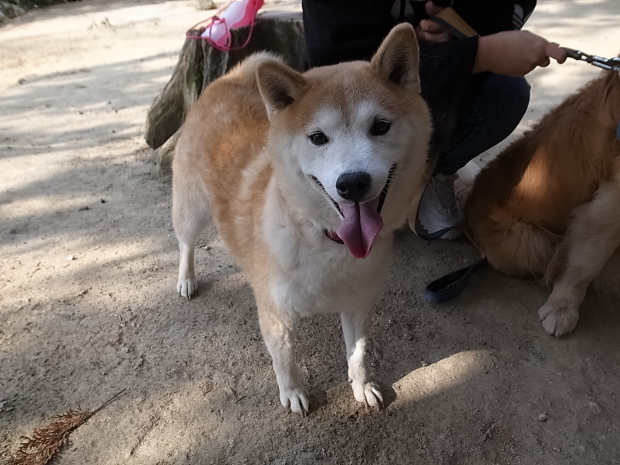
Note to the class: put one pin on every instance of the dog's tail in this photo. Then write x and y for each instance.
(512, 245)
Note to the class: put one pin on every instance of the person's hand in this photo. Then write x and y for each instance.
(430, 31)
(515, 53)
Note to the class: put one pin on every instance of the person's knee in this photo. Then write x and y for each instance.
(515, 99)
(521, 95)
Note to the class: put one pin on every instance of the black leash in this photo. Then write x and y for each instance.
(451, 285)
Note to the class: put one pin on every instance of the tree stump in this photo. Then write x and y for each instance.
(199, 64)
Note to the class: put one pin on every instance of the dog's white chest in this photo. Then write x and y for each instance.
(321, 276)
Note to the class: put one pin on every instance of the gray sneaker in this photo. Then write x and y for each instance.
(438, 208)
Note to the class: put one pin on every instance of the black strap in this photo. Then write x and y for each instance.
(452, 21)
(451, 285)
(618, 132)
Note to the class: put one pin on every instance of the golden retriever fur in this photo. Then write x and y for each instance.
(548, 206)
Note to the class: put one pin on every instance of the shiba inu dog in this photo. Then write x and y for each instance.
(306, 176)
(548, 205)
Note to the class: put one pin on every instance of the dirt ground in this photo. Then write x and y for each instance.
(88, 263)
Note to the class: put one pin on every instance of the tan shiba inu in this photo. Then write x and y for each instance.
(306, 177)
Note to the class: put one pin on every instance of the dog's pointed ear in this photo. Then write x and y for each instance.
(397, 59)
(279, 85)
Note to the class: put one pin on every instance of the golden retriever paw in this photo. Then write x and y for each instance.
(559, 317)
(368, 393)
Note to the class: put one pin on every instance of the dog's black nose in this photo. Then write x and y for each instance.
(353, 186)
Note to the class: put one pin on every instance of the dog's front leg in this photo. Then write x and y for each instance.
(279, 331)
(593, 238)
(186, 284)
(190, 216)
(355, 326)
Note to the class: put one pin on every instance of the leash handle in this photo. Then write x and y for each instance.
(451, 20)
(451, 285)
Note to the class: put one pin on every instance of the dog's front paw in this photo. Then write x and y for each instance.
(296, 399)
(368, 393)
(187, 287)
(559, 316)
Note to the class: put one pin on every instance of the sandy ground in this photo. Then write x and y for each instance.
(88, 261)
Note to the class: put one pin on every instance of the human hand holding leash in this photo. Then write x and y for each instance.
(511, 53)
(515, 53)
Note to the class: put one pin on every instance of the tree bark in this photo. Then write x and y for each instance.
(199, 64)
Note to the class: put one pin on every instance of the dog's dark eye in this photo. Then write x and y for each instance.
(318, 138)
(380, 127)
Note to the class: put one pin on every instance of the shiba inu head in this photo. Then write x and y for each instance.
(349, 142)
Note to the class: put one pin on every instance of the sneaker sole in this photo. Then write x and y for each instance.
(452, 235)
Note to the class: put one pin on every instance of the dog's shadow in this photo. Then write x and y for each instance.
(495, 320)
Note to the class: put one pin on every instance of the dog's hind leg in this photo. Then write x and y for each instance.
(279, 332)
(608, 282)
(512, 245)
(356, 326)
(190, 216)
(593, 237)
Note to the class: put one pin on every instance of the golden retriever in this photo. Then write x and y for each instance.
(549, 205)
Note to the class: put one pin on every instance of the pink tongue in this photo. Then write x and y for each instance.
(360, 226)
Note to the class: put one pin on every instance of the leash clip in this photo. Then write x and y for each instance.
(610, 64)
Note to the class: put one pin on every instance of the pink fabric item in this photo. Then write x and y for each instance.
(237, 14)
(360, 226)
